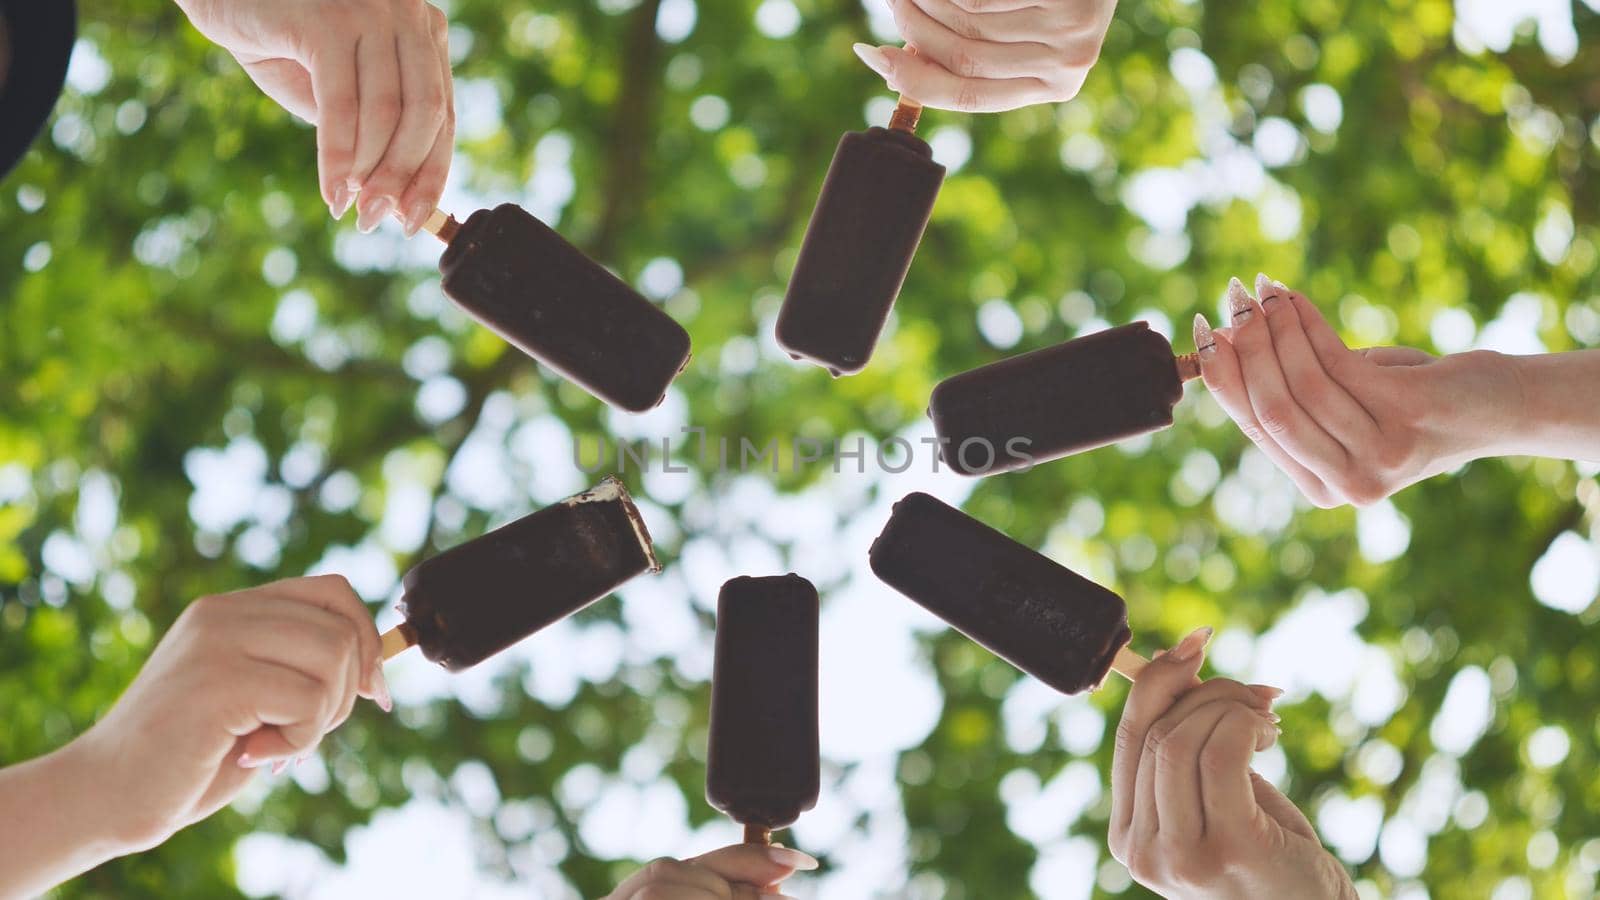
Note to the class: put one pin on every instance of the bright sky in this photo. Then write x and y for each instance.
(878, 696)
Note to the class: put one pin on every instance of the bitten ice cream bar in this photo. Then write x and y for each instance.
(474, 600)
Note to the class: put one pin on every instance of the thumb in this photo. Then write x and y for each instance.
(1279, 809)
(1397, 356)
(755, 864)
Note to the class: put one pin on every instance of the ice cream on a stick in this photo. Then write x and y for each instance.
(478, 598)
(525, 282)
(762, 758)
(1060, 400)
(1031, 611)
(874, 205)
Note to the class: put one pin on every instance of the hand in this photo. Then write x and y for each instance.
(1350, 426)
(240, 681)
(740, 872)
(372, 75)
(991, 55)
(1188, 817)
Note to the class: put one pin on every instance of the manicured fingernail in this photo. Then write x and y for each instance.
(876, 60)
(279, 766)
(246, 761)
(1203, 339)
(417, 217)
(373, 213)
(1190, 647)
(342, 198)
(380, 688)
(1267, 691)
(794, 859)
(1239, 304)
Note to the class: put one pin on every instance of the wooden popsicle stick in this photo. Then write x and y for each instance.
(397, 640)
(1189, 366)
(440, 224)
(906, 114)
(755, 834)
(1128, 664)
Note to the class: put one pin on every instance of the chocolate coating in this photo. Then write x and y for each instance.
(874, 206)
(478, 598)
(519, 277)
(762, 761)
(1033, 612)
(1061, 400)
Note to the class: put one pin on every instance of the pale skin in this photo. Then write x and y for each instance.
(1189, 818)
(991, 55)
(1355, 426)
(739, 872)
(372, 75)
(243, 680)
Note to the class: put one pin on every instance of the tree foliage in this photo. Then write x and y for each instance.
(174, 290)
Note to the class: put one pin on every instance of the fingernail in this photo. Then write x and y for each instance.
(380, 688)
(794, 859)
(279, 766)
(1190, 647)
(1203, 339)
(342, 198)
(373, 213)
(1266, 692)
(1239, 305)
(775, 897)
(1281, 288)
(246, 761)
(417, 216)
(876, 60)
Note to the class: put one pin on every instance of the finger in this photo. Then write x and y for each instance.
(312, 641)
(1274, 406)
(378, 64)
(1396, 356)
(1219, 367)
(1173, 746)
(258, 694)
(1278, 808)
(995, 6)
(1163, 681)
(334, 594)
(1032, 24)
(970, 57)
(422, 116)
(664, 870)
(1329, 404)
(676, 891)
(288, 84)
(755, 864)
(1325, 342)
(422, 196)
(333, 84)
(1227, 798)
(229, 779)
(1223, 690)
(933, 85)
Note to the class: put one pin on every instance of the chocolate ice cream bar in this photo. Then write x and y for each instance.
(478, 598)
(1038, 615)
(864, 231)
(519, 277)
(762, 766)
(1065, 399)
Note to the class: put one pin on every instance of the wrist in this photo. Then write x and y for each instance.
(1476, 406)
(53, 822)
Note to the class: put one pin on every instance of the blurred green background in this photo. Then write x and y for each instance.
(209, 385)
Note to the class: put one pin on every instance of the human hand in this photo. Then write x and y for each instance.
(372, 75)
(991, 55)
(1349, 426)
(240, 681)
(1188, 817)
(739, 872)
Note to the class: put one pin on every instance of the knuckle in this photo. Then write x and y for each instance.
(962, 61)
(1125, 741)
(1274, 419)
(967, 97)
(1214, 760)
(660, 868)
(1162, 741)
